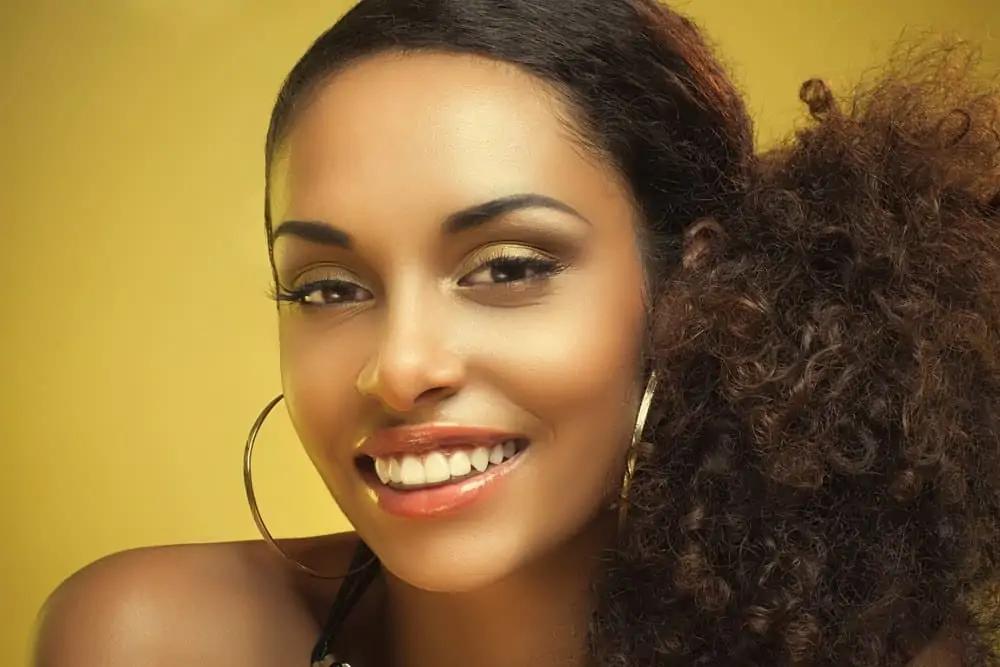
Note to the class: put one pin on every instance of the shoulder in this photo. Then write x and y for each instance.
(208, 605)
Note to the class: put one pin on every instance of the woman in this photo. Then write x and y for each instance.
(499, 233)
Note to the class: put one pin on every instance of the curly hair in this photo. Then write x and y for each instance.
(823, 485)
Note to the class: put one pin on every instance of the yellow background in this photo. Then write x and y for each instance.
(136, 345)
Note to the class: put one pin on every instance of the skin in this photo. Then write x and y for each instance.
(387, 151)
(426, 332)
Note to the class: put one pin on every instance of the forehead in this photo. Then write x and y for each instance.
(432, 132)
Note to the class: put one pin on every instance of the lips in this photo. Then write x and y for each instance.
(430, 469)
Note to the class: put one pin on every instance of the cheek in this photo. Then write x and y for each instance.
(319, 367)
(573, 362)
(585, 345)
(572, 359)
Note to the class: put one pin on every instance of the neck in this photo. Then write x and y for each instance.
(536, 616)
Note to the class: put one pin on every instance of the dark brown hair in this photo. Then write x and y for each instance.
(646, 92)
(824, 482)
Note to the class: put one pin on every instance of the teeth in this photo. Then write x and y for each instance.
(480, 458)
(438, 467)
(382, 470)
(460, 464)
(413, 471)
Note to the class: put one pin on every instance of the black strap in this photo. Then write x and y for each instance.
(361, 573)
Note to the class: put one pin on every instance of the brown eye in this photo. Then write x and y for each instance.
(511, 269)
(327, 293)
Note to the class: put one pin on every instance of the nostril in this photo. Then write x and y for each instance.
(434, 395)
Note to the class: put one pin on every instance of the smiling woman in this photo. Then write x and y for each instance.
(501, 236)
(455, 301)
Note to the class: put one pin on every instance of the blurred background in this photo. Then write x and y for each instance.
(136, 342)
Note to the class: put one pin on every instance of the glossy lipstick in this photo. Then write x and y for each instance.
(438, 440)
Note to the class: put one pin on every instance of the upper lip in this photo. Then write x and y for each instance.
(422, 438)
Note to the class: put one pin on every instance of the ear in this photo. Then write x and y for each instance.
(704, 240)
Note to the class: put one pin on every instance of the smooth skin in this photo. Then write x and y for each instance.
(407, 323)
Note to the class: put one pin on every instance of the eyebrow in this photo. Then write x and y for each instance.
(460, 221)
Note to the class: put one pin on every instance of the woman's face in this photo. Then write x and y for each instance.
(461, 359)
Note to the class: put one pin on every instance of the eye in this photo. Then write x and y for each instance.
(507, 267)
(326, 293)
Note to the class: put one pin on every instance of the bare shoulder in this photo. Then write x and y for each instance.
(208, 605)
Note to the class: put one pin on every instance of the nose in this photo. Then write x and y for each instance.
(412, 365)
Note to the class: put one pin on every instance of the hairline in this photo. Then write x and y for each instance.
(581, 129)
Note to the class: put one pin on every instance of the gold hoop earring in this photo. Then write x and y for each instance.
(633, 450)
(255, 509)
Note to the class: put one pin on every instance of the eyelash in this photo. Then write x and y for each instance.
(543, 267)
(299, 295)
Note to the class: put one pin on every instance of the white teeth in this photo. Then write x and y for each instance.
(382, 470)
(509, 449)
(496, 454)
(438, 467)
(480, 458)
(413, 471)
(460, 464)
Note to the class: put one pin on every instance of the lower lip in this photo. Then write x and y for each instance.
(442, 500)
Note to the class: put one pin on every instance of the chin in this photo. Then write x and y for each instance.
(464, 556)
(453, 560)
(434, 578)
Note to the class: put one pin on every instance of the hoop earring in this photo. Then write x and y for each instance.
(255, 510)
(633, 450)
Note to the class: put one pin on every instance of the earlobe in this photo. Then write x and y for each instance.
(703, 240)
